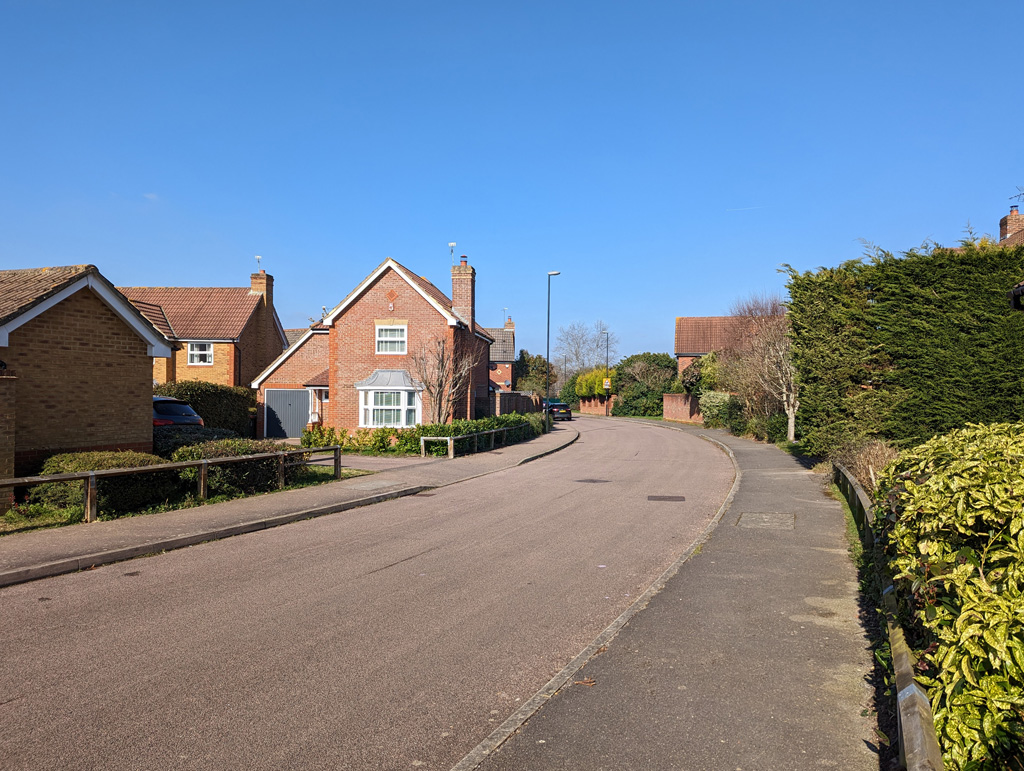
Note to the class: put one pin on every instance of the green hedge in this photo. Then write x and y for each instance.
(167, 439)
(407, 440)
(234, 478)
(952, 529)
(905, 347)
(219, 406)
(117, 495)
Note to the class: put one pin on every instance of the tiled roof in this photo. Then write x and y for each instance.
(1014, 239)
(698, 335)
(293, 335)
(21, 290)
(196, 313)
(319, 380)
(504, 346)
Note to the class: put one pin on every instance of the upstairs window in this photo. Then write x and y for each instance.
(391, 340)
(200, 353)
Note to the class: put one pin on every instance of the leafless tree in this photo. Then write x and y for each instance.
(584, 347)
(446, 370)
(760, 367)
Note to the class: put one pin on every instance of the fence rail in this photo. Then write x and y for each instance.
(89, 479)
(919, 746)
(474, 436)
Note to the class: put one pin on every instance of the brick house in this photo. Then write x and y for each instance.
(698, 336)
(502, 356)
(293, 391)
(1011, 233)
(225, 335)
(378, 330)
(76, 363)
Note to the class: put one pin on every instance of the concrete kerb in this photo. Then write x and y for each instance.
(75, 564)
(517, 719)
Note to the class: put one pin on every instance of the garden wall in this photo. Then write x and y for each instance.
(683, 408)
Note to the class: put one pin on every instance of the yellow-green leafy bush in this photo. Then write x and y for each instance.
(951, 523)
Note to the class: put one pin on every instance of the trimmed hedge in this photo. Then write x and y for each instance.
(167, 439)
(117, 495)
(219, 406)
(951, 526)
(407, 440)
(233, 478)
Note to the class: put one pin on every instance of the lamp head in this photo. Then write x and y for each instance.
(554, 272)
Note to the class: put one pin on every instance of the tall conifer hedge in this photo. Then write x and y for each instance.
(903, 348)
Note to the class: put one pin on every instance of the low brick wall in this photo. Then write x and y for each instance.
(682, 408)
(595, 405)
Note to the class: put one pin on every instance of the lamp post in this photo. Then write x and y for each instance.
(607, 376)
(547, 349)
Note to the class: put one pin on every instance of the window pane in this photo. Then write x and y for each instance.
(410, 417)
(410, 400)
(387, 398)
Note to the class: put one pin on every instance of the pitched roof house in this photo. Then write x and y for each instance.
(226, 335)
(77, 363)
(502, 356)
(697, 336)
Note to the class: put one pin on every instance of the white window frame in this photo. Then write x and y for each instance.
(208, 353)
(402, 339)
(367, 407)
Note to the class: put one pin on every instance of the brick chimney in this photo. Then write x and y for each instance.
(464, 291)
(1011, 223)
(263, 284)
(509, 324)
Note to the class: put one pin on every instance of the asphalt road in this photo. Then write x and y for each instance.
(395, 636)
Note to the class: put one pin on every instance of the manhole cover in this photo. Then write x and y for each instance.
(592, 481)
(770, 520)
(666, 497)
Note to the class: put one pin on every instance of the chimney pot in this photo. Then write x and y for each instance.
(464, 259)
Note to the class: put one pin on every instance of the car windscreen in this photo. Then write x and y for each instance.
(172, 408)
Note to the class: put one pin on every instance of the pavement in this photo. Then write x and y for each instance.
(748, 656)
(49, 552)
(749, 653)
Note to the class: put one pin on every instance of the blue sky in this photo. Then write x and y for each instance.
(665, 157)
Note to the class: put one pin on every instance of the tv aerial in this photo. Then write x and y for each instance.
(1020, 194)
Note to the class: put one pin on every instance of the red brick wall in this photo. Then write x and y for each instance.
(85, 382)
(513, 401)
(501, 372)
(686, 361)
(683, 408)
(7, 436)
(594, 405)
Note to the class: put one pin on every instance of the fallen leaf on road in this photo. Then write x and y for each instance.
(587, 681)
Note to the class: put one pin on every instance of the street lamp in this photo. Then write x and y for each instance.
(547, 349)
(607, 376)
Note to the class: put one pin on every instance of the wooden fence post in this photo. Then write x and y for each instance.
(203, 480)
(92, 503)
(451, 447)
(337, 462)
(280, 470)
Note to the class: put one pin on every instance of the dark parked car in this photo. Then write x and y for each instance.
(168, 411)
(559, 411)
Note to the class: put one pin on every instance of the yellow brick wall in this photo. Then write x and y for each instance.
(84, 381)
(221, 371)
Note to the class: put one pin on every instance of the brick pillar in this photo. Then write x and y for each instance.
(7, 383)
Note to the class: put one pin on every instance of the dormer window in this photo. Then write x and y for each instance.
(391, 339)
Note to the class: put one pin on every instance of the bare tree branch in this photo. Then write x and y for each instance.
(583, 347)
(445, 369)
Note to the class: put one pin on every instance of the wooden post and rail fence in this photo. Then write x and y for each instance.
(90, 479)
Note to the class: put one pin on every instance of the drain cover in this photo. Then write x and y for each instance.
(592, 481)
(666, 497)
(770, 520)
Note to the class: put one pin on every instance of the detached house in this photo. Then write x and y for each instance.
(386, 344)
(76, 362)
(502, 356)
(224, 335)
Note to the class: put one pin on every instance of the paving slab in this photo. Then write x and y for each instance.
(48, 552)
